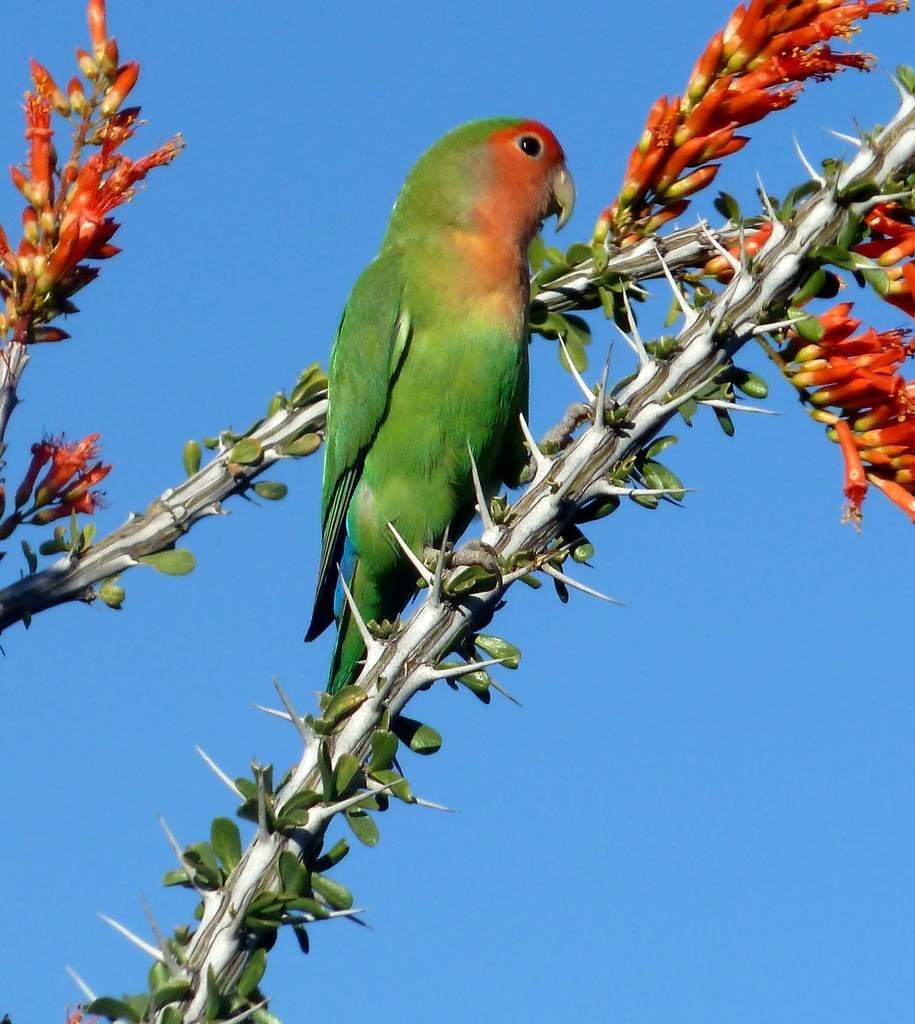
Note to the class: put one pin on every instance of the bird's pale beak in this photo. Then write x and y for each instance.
(562, 199)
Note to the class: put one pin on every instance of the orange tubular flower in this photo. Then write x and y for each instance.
(853, 384)
(755, 65)
(66, 220)
(67, 461)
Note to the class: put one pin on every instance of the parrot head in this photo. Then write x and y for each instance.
(501, 176)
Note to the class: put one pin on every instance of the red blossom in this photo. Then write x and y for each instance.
(67, 461)
(854, 384)
(755, 65)
(67, 220)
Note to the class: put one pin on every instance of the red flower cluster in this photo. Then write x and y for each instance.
(66, 487)
(892, 242)
(755, 65)
(66, 220)
(858, 375)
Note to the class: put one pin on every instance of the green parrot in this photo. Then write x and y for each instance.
(430, 363)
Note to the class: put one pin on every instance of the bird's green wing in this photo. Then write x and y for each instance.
(370, 344)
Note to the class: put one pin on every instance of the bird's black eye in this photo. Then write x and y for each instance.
(530, 145)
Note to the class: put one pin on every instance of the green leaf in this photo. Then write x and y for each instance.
(252, 974)
(302, 446)
(473, 579)
(478, 683)
(305, 799)
(345, 772)
(226, 841)
(363, 826)
(398, 785)
(724, 421)
(582, 552)
(176, 876)
(176, 562)
(301, 937)
(171, 1015)
(878, 280)
(271, 490)
(191, 456)
(420, 738)
(276, 403)
(906, 76)
(247, 452)
(728, 207)
(659, 477)
(111, 594)
(113, 1009)
(30, 557)
(170, 992)
(333, 856)
(293, 873)
(307, 906)
(810, 329)
(536, 253)
(327, 774)
(577, 252)
(751, 384)
(337, 895)
(496, 647)
(214, 997)
(384, 749)
(660, 444)
(344, 702)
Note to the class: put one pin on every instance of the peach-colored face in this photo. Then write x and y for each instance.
(528, 180)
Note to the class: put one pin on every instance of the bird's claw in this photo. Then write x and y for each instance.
(474, 553)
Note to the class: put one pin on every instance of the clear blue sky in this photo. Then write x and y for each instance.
(704, 811)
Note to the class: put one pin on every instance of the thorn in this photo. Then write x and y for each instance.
(846, 138)
(274, 712)
(80, 984)
(377, 787)
(261, 802)
(147, 947)
(678, 400)
(482, 504)
(411, 555)
(778, 325)
(808, 167)
(327, 811)
(685, 308)
(508, 696)
(433, 806)
(600, 398)
(720, 403)
(611, 490)
(371, 644)
(573, 369)
(169, 957)
(889, 197)
(767, 202)
(541, 462)
(440, 568)
(179, 853)
(246, 1014)
(352, 914)
(306, 737)
(570, 582)
(635, 342)
(218, 772)
(429, 674)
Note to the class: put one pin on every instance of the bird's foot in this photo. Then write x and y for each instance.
(476, 553)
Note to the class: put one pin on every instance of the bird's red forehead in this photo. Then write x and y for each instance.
(552, 151)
